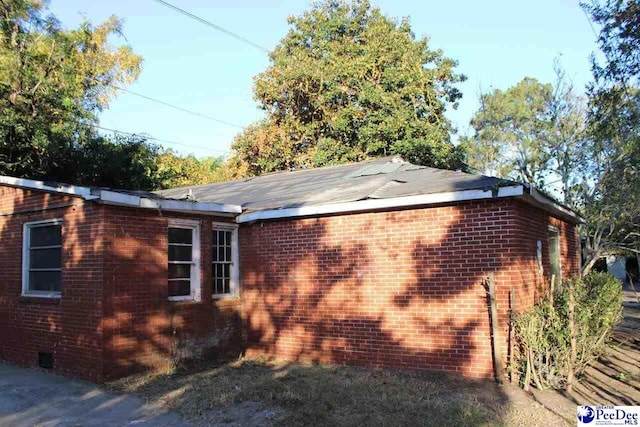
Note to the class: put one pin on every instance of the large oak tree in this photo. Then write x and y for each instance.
(347, 83)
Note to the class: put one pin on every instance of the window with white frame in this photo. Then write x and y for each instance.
(42, 258)
(184, 260)
(224, 260)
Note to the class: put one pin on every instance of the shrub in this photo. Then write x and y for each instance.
(543, 331)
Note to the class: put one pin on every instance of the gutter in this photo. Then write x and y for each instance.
(527, 194)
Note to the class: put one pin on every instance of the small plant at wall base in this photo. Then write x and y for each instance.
(544, 333)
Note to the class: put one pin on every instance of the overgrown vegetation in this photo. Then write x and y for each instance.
(544, 332)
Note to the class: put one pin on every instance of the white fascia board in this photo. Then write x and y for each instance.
(109, 197)
(552, 204)
(377, 204)
(72, 190)
(121, 199)
(115, 198)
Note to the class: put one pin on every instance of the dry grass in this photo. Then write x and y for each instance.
(256, 392)
(259, 392)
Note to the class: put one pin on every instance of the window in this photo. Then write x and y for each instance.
(42, 258)
(224, 260)
(184, 260)
(555, 262)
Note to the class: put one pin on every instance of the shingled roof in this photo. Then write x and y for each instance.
(375, 179)
(387, 183)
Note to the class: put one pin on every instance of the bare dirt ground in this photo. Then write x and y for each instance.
(255, 392)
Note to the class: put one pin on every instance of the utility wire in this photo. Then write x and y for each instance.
(212, 25)
(158, 140)
(184, 110)
(595, 33)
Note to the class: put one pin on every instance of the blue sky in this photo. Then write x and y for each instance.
(496, 42)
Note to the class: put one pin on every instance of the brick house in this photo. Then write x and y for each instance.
(377, 263)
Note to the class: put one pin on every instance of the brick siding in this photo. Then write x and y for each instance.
(398, 289)
(392, 289)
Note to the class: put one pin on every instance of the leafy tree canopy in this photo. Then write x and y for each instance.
(53, 82)
(347, 83)
(612, 207)
(511, 127)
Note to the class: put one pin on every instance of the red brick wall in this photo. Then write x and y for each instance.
(143, 329)
(114, 317)
(69, 327)
(390, 289)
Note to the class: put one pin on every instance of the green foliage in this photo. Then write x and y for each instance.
(544, 336)
(347, 83)
(175, 171)
(533, 133)
(53, 82)
(619, 39)
(612, 207)
(511, 130)
(117, 162)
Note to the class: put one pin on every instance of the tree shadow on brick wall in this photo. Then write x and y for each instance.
(36, 325)
(114, 317)
(415, 313)
(342, 294)
(143, 330)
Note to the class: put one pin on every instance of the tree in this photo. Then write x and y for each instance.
(53, 82)
(176, 171)
(347, 83)
(512, 132)
(533, 133)
(567, 139)
(612, 207)
(619, 40)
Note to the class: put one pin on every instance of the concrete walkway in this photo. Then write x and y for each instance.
(29, 397)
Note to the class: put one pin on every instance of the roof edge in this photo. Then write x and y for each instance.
(377, 204)
(527, 194)
(71, 190)
(543, 201)
(111, 197)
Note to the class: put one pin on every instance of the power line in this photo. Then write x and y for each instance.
(158, 140)
(212, 25)
(595, 33)
(184, 110)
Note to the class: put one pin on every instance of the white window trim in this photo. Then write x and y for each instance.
(26, 239)
(196, 265)
(234, 285)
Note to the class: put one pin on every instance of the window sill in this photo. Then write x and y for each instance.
(225, 300)
(183, 301)
(39, 299)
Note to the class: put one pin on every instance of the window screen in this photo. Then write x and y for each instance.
(180, 261)
(43, 258)
(222, 261)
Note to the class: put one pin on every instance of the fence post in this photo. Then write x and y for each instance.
(511, 332)
(572, 333)
(495, 337)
